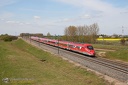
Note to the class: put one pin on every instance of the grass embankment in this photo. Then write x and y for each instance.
(24, 64)
(120, 52)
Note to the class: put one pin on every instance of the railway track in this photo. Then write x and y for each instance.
(119, 65)
(114, 69)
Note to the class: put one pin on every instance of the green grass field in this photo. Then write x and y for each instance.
(120, 53)
(24, 64)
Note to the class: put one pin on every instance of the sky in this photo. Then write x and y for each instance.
(53, 16)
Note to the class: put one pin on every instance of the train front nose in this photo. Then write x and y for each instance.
(92, 52)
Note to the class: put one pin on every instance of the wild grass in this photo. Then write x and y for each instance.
(120, 52)
(24, 64)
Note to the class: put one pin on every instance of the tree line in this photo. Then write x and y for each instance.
(31, 34)
(86, 33)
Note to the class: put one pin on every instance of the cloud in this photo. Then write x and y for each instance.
(86, 16)
(11, 22)
(6, 15)
(27, 23)
(2, 19)
(65, 20)
(78, 18)
(37, 17)
(14, 22)
(32, 10)
(7, 2)
(92, 4)
(124, 12)
(96, 11)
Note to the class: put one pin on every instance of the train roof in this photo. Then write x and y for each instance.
(65, 42)
(75, 43)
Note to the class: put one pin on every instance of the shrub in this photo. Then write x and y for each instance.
(122, 41)
(7, 38)
(14, 37)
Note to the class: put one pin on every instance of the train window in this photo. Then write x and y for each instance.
(74, 46)
(71, 46)
(56, 42)
(90, 47)
(78, 47)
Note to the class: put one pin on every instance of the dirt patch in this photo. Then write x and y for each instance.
(101, 54)
(42, 60)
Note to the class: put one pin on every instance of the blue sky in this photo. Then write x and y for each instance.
(43, 16)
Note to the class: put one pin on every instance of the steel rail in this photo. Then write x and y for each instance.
(115, 63)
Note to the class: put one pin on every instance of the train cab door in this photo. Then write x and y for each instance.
(82, 49)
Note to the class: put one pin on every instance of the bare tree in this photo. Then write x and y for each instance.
(93, 32)
(82, 33)
(48, 35)
(66, 34)
(71, 32)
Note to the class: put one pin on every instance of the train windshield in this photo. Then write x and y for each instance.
(90, 47)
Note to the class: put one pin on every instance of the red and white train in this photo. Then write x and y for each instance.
(77, 47)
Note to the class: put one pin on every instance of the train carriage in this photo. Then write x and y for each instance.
(77, 47)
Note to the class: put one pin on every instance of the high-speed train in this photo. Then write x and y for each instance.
(83, 48)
